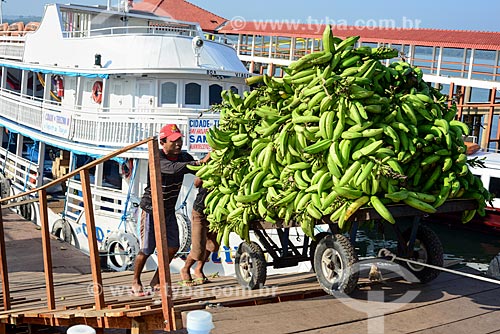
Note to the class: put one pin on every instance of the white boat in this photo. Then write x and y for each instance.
(93, 79)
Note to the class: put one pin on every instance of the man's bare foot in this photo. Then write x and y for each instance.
(137, 290)
(186, 279)
(185, 275)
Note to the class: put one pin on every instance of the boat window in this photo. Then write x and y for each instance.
(75, 24)
(30, 150)
(111, 175)
(234, 89)
(9, 141)
(169, 93)
(494, 186)
(214, 94)
(13, 81)
(34, 87)
(82, 160)
(192, 93)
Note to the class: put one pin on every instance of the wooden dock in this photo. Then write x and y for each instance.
(289, 303)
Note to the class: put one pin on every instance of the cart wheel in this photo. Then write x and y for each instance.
(314, 244)
(250, 265)
(427, 249)
(334, 260)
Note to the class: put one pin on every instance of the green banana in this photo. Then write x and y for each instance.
(382, 209)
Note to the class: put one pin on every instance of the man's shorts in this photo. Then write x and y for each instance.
(148, 232)
(201, 238)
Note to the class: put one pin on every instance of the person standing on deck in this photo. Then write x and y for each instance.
(203, 242)
(173, 164)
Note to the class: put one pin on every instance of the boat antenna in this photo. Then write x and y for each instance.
(109, 4)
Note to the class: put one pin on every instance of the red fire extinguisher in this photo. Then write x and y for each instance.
(59, 86)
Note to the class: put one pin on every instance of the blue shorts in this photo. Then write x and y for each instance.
(148, 232)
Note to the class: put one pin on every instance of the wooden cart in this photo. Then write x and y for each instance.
(332, 254)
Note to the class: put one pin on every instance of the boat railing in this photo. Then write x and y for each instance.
(126, 128)
(219, 38)
(176, 30)
(107, 202)
(28, 112)
(22, 174)
(115, 128)
(12, 47)
(20, 171)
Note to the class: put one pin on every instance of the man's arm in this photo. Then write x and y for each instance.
(198, 182)
(174, 167)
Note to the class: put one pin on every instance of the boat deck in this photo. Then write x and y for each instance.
(290, 303)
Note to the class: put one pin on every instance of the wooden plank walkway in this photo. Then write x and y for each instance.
(290, 303)
(450, 304)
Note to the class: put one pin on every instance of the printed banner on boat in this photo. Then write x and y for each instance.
(197, 134)
(56, 124)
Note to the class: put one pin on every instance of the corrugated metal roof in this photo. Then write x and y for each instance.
(482, 40)
(183, 11)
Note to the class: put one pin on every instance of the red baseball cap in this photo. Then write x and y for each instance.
(171, 132)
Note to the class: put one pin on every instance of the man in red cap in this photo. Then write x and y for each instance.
(173, 164)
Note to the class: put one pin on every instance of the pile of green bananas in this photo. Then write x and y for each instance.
(339, 131)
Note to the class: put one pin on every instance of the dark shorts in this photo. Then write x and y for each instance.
(148, 244)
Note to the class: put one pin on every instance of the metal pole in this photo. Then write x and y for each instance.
(1, 12)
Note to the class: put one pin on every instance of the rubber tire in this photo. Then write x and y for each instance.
(121, 242)
(250, 265)
(63, 231)
(344, 267)
(429, 249)
(184, 233)
(27, 211)
(314, 244)
(5, 190)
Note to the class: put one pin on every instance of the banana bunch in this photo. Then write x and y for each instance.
(339, 131)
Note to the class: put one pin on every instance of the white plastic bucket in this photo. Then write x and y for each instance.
(199, 322)
(80, 329)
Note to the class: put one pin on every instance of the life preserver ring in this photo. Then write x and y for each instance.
(127, 167)
(32, 178)
(97, 92)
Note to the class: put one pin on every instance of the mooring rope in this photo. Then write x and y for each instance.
(385, 253)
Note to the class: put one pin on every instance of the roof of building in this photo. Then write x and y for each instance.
(482, 40)
(182, 10)
(185, 11)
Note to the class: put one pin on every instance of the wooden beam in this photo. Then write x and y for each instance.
(47, 255)
(91, 235)
(161, 234)
(4, 273)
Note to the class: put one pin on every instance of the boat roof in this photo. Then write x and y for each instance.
(128, 41)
